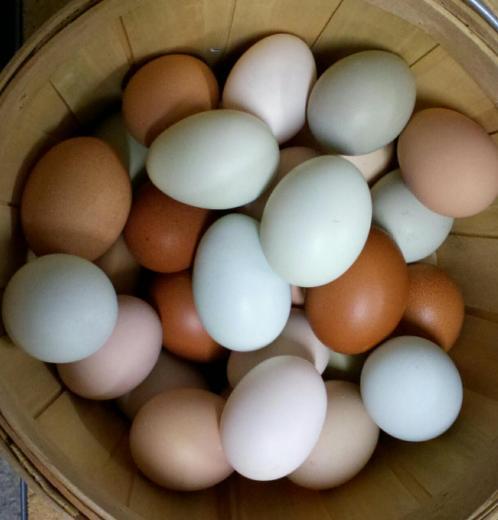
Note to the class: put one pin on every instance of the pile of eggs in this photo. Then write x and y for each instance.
(281, 265)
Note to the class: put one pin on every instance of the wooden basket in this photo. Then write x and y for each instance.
(76, 451)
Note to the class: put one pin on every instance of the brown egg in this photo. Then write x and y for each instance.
(76, 199)
(363, 306)
(183, 333)
(435, 307)
(164, 91)
(449, 162)
(175, 440)
(162, 233)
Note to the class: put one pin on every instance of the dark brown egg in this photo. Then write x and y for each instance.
(76, 199)
(362, 307)
(183, 333)
(162, 233)
(435, 307)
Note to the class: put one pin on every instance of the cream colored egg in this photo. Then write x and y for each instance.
(374, 164)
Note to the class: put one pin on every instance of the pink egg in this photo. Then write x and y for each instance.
(125, 360)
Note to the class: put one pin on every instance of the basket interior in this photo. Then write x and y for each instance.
(75, 68)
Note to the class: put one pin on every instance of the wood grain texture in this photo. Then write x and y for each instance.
(11, 243)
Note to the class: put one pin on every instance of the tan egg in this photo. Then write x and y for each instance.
(164, 91)
(374, 164)
(289, 159)
(435, 307)
(76, 200)
(347, 441)
(121, 267)
(175, 440)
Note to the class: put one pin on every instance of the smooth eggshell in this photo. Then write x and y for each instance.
(59, 308)
(126, 358)
(347, 441)
(435, 307)
(316, 221)
(411, 389)
(175, 440)
(297, 339)
(455, 174)
(183, 332)
(289, 159)
(374, 164)
(121, 267)
(272, 80)
(273, 418)
(362, 307)
(168, 373)
(76, 199)
(417, 230)
(112, 130)
(164, 91)
(242, 303)
(298, 295)
(361, 102)
(219, 159)
(162, 233)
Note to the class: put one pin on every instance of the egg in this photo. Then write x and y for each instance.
(125, 359)
(121, 267)
(183, 333)
(411, 389)
(168, 373)
(272, 80)
(347, 441)
(241, 302)
(162, 233)
(219, 159)
(435, 307)
(362, 307)
(273, 418)
(344, 366)
(175, 440)
(297, 339)
(289, 159)
(112, 130)
(59, 308)
(374, 164)
(164, 91)
(457, 173)
(362, 102)
(416, 229)
(76, 199)
(316, 221)
(297, 295)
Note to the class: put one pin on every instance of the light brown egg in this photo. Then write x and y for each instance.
(164, 91)
(435, 309)
(359, 309)
(76, 199)
(183, 333)
(175, 440)
(162, 233)
(449, 162)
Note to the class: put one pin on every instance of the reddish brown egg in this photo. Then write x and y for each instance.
(164, 91)
(76, 199)
(162, 233)
(435, 307)
(183, 333)
(362, 307)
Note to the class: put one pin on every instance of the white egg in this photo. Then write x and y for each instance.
(297, 339)
(59, 308)
(361, 102)
(417, 230)
(132, 153)
(218, 159)
(273, 418)
(272, 80)
(374, 164)
(316, 221)
(169, 372)
(411, 388)
(241, 302)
